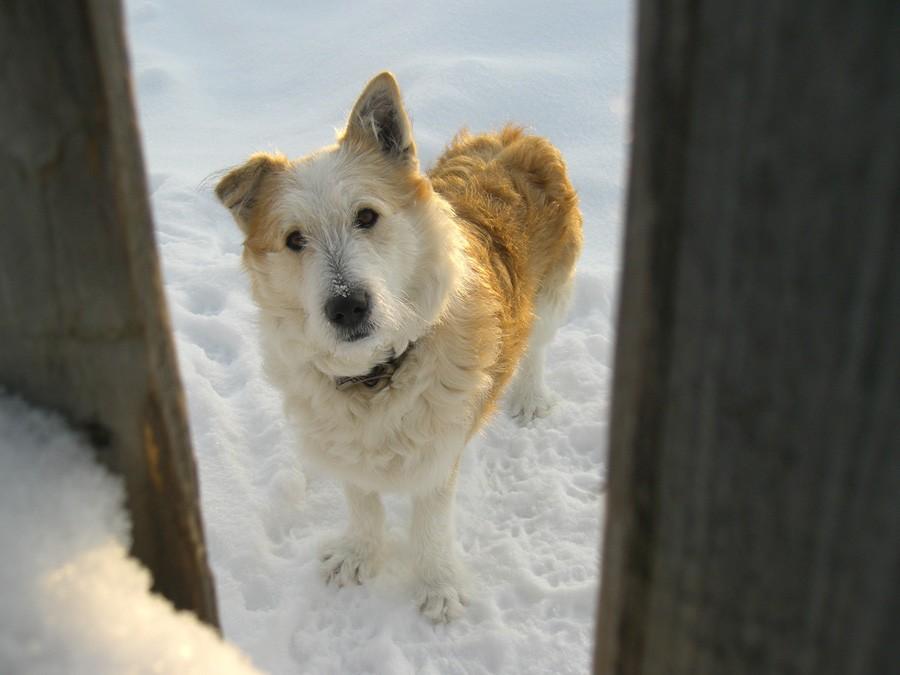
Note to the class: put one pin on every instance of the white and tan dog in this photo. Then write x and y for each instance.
(396, 305)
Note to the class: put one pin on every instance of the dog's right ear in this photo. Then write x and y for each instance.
(379, 120)
(240, 189)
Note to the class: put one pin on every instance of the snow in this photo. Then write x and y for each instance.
(73, 601)
(216, 81)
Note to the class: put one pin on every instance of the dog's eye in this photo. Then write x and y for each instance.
(295, 241)
(366, 218)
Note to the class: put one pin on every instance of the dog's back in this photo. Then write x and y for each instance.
(519, 211)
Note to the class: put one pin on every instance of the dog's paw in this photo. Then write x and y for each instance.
(348, 560)
(441, 602)
(526, 406)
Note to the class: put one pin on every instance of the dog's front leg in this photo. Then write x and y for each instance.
(440, 594)
(356, 556)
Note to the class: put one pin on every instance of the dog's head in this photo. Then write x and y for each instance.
(349, 247)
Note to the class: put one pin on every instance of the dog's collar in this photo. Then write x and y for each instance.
(378, 378)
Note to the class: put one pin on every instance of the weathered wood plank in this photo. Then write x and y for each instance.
(83, 323)
(753, 522)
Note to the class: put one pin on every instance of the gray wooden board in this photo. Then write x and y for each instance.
(83, 323)
(753, 522)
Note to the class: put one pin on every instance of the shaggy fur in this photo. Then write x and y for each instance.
(469, 267)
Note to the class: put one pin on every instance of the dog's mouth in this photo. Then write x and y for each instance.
(356, 334)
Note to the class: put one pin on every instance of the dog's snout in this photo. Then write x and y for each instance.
(348, 310)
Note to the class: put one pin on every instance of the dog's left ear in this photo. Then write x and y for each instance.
(379, 118)
(240, 188)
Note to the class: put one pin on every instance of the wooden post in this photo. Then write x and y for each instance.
(753, 522)
(83, 323)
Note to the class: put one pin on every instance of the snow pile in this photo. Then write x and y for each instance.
(73, 601)
(218, 80)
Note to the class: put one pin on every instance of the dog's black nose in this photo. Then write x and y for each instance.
(348, 311)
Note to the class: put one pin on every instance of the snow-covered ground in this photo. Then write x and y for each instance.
(74, 603)
(219, 80)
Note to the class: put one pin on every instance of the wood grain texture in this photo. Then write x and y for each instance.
(753, 520)
(83, 324)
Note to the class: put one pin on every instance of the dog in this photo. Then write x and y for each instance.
(396, 305)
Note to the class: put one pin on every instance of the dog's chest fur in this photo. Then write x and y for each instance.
(406, 436)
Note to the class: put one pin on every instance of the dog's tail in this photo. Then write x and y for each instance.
(537, 167)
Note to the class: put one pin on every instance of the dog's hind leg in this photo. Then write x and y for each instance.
(356, 556)
(528, 395)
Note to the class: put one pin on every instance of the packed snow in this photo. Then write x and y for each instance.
(216, 81)
(74, 603)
